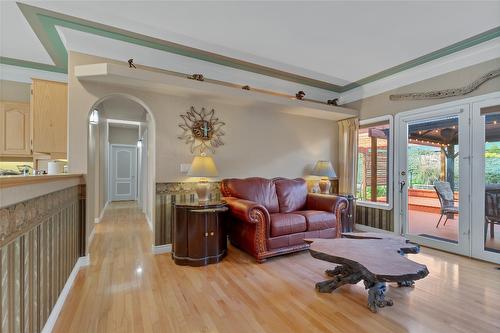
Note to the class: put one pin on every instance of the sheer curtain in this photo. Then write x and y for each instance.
(348, 145)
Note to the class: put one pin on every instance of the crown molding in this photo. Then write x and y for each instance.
(45, 22)
(474, 55)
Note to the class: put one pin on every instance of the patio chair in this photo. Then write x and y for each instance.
(445, 196)
(492, 208)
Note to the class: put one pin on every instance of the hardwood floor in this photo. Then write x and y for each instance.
(128, 289)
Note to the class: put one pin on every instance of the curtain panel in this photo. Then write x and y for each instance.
(348, 145)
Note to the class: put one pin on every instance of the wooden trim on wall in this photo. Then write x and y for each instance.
(11, 181)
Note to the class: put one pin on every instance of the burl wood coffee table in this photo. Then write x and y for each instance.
(372, 257)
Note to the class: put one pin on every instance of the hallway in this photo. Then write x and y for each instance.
(127, 289)
(120, 279)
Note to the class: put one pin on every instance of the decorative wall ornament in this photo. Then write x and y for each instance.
(334, 102)
(300, 95)
(202, 130)
(197, 77)
(436, 94)
(131, 63)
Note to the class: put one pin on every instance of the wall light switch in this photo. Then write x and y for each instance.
(185, 167)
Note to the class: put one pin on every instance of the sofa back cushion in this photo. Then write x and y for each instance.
(292, 194)
(260, 190)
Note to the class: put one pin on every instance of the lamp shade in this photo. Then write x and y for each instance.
(324, 169)
(202, 166)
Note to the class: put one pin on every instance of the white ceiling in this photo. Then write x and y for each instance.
(338, 42)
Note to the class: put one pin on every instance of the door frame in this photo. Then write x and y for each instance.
(110, 167)
(398, 225)
(462, 111)
(478, 164)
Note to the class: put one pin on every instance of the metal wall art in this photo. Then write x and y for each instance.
(436, 94)
(202, 130)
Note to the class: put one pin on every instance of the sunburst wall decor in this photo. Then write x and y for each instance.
(202, 130)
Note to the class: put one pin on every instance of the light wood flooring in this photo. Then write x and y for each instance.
(128, 289)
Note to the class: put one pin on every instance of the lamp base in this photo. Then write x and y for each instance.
(324, 186)
(203, 190)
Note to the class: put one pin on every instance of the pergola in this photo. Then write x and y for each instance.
(444, 135)
(374, 171)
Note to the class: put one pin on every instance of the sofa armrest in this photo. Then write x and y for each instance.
(247, 211)
(330, 203)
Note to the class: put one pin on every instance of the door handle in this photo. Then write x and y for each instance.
(401, 186)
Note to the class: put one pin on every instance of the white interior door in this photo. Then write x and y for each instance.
(123, 172)
(486, 180)
(434, 146)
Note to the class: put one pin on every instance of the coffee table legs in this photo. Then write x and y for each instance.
(409, 283)
(345, 275)
(376, 296)
(341, 275)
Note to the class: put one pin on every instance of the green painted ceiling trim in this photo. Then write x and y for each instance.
(32, 65)
(60, 54)
(43, 23)
(459, 46)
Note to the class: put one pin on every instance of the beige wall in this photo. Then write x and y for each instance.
(257, 142)
(14, 91)
(124, 136)
(381, 105)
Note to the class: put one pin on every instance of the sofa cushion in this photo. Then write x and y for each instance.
(286, 224)
(259, 190)
(292, 194)
(318, 219)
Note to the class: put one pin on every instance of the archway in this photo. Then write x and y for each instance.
(98, 162)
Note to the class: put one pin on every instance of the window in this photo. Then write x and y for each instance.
(374, 174)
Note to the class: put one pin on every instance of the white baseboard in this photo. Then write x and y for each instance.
(91, 237)
(99, 219)
(54, 314)
(362, 227)
(149, 221)
(159, 249)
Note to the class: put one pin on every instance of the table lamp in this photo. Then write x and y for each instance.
(203, 166)
(324, 169)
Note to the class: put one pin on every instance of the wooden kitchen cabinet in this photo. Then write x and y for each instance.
(15, 129)
(49, 116)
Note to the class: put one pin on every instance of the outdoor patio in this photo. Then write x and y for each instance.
(424, 215)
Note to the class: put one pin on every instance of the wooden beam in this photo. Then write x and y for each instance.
(373, 169)
(450, 166)
(442, 174)
(377, 133)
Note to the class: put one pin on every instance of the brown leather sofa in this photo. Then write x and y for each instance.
(269, 217)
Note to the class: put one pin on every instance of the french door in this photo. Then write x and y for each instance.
(447, 176)
(433, 177)
(486, 180)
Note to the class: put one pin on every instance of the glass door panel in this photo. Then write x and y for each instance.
(492, 182)
(433, 173)
(486, 190)
(434, 181)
